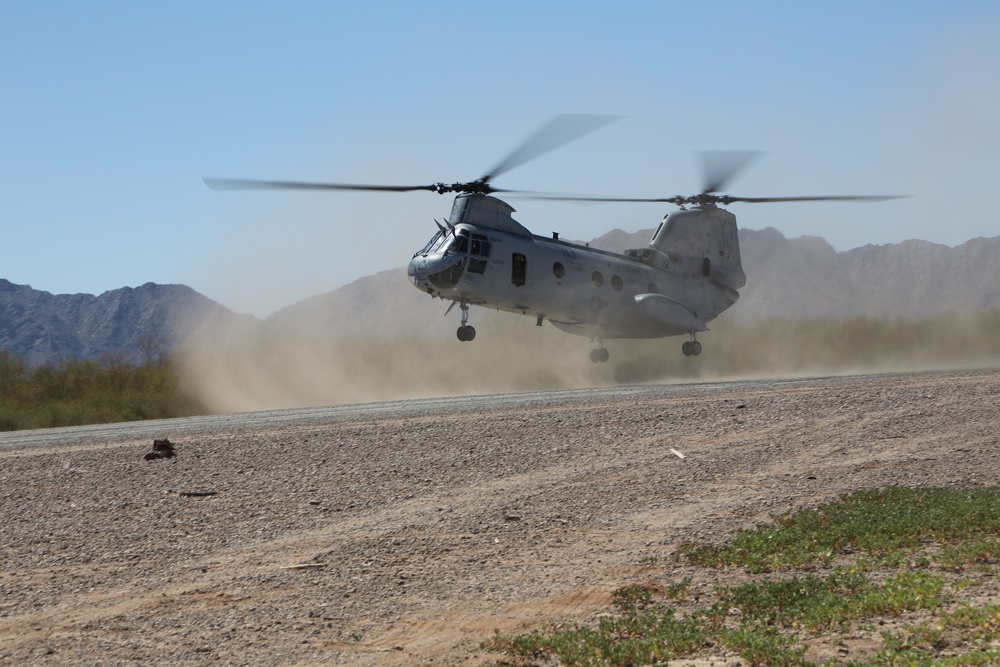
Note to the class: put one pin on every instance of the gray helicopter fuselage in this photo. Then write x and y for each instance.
(485, 258)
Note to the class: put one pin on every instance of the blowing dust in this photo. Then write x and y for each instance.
(234, 370)
(237, 368)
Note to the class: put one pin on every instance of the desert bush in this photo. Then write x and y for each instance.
(74, 391)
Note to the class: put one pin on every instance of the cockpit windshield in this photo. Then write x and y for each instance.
(449, 241)
(434, 244)
(459, 244)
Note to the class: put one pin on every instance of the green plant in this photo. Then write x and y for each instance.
(765, 647)
(73, 392)
(770, 622)
(884, 523)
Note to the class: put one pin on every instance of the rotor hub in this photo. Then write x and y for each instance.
(480, 186)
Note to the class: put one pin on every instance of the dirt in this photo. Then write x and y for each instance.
(407, 537)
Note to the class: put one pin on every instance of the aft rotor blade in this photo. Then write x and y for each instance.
(721, 166)
(243, 184)
(764, 200)
(705, 198)
(557, 132)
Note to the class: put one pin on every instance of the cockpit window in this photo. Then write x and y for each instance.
(433, 244)
(480, 247)
(459, 244)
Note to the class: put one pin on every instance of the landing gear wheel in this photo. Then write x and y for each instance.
(600, 355)
(691, 348)
(466, 332)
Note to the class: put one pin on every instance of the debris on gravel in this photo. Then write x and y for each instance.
(162, 449)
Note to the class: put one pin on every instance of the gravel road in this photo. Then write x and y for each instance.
(406, 532)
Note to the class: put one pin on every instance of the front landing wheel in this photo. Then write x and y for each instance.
(466, 332)
(691, 348)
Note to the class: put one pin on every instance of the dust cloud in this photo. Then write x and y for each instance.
(239, 368)
(232, 370)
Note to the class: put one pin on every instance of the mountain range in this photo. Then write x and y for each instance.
(791, 278)
(130, 323)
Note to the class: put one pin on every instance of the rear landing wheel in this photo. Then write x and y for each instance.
(466, 332)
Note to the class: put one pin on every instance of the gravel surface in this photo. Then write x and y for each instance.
(405, 533)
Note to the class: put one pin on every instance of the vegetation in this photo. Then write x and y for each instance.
(909, 556)
(74, 392)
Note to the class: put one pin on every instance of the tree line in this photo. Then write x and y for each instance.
(71, 392)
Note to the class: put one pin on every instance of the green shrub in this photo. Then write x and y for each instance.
(73, 392)
(770, 622)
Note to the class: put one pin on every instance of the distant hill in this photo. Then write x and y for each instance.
(802, 277)
(383, 303)
(128, 322)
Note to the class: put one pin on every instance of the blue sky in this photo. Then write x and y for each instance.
(112, 113)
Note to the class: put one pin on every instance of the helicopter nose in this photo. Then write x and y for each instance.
(417, 272)
(417, 266)
(431, 273)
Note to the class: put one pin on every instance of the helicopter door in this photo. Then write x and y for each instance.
(519, 269)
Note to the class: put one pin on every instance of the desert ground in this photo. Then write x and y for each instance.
(406, 533)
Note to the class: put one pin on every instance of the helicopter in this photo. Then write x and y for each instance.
(685, 277)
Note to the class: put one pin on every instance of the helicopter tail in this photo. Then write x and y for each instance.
(704, 242)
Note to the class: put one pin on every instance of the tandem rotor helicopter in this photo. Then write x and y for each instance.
(687, 275)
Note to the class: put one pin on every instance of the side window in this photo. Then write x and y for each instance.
(616, 283)
(480, 247)
(597, 278)
(558, 270)
(477, 265)
(518, 269)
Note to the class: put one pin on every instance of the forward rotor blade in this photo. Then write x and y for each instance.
(584, 198)
(243, 184)
(557, 132)
(721, 166)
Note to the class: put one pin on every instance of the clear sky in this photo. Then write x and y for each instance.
(112, 112)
